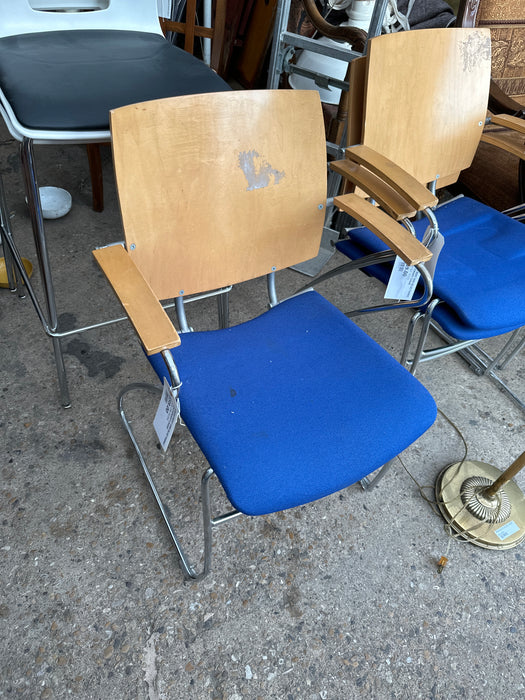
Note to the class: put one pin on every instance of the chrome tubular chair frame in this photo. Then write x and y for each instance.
(470, 350)
(208, 522)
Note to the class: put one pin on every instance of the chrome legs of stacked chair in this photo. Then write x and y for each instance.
(37, 222)
(13, 276)
(470, 350)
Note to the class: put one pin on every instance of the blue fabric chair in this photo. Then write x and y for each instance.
(479, 280)
(296, 403)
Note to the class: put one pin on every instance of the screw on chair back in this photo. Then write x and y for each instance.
(229, 205)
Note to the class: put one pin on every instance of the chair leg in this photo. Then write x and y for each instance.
(511, 348)
(95, 171)
(416, 317)
(187, 568)
(426, 319)
(223, 309)
(37, 222)
(367, 483)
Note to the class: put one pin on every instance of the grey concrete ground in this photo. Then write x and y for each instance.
(337, 600)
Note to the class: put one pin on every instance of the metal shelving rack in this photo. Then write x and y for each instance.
(284, 47)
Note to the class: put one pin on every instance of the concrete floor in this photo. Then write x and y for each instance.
(337, 600)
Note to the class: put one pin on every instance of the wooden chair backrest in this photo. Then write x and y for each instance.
(191, 30)
(506, 21)
(425, 99)
(215, 189)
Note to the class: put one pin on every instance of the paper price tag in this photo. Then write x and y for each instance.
(404, 278)
(167, 415)
(507, 530)
(402, 282)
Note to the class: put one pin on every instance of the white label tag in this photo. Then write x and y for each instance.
(402, 282)
(404, 278)
(507, 530)
(167, 415)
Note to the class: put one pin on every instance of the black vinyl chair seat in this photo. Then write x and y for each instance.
(70, 80)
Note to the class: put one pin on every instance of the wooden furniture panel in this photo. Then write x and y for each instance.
(431, 141)
(251, 200)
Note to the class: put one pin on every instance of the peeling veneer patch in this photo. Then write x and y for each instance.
(257, 171)
(475, 49)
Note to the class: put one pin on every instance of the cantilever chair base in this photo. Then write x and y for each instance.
(208, 522)
(474, 355)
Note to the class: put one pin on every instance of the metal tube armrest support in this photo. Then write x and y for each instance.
(144, 310)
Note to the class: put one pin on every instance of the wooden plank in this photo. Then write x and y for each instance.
(257, 40)
(510, 122)
(405, 184)
(145, 312)
(180, 28)
(396, 237)
(357, 82)
(189, 34)
(390, 200)
(508, 141)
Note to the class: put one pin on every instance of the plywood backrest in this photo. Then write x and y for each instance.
(426, 99)
(219, 188)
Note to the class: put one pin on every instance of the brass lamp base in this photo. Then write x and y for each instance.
(493, 522)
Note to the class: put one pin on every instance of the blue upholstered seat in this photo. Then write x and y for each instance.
(71, 79)
(480, 274)
(314, 436)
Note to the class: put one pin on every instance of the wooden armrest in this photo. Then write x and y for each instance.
(508, 141)
(378, 189)
(408, 187)
(396, 237)
(145, 312)
(510, 122)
